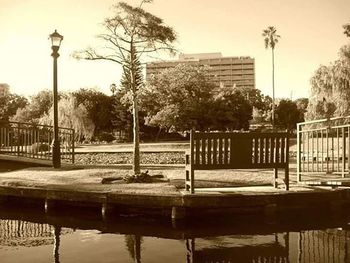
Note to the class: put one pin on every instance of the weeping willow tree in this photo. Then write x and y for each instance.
(71, 115)
(130, 33)
(330, 88)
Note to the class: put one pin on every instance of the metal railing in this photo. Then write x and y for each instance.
(24, 233)
(323, 246)
(12, 229)
(323, 147)
(35, 141)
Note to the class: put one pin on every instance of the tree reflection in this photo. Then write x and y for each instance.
(56, 244)
(133, 244)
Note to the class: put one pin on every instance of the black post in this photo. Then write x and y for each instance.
(56, 151)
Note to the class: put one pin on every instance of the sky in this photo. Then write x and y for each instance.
(311, 35)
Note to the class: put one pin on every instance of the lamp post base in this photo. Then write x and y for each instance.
(56, 154)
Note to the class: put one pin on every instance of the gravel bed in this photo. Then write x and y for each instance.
(126, 158)
(106, 158)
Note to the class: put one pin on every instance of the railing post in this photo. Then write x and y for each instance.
(192, 162)
(3, 135)
(73, 146)
(343, 152)
(298, 152)
(286, 175)
(18, 138)
(327, 149)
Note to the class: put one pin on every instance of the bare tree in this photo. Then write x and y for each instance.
(131, 33)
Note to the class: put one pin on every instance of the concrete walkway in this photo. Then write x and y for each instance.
(77, 186)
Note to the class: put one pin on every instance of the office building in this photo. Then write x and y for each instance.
(4, 89)
(227, 71)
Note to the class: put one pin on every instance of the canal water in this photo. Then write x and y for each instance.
(29, 235)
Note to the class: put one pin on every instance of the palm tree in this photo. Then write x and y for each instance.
(271, 39)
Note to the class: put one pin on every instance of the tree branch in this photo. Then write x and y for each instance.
(91, 54)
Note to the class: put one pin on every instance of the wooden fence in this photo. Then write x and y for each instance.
(237, 150)
(35, 141)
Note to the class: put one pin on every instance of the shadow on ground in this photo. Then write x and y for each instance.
(180, 183)
(8, 166)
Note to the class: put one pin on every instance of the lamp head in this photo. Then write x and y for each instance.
(56, 40)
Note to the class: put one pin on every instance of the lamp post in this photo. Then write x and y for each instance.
(56, 40)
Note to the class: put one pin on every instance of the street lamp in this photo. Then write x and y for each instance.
(56, 40)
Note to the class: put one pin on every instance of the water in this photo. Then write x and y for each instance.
(27, 235)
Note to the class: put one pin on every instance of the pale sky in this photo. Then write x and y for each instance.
(311, 34)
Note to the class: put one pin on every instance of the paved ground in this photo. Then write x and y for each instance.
(90, 179)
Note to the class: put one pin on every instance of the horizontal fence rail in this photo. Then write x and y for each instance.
(35, 141)
(323, 147)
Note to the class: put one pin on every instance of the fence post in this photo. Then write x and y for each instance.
(18, 138)
(299, 134)
(343, 152)
(73, 146)
(2, 137)
(192, 162)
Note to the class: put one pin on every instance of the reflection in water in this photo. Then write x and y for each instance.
(18, 233)
(329, 245)
(247, 248)
(133, 244)
(56, 247)
(22, 233)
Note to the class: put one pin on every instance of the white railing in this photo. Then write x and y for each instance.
(323, 147)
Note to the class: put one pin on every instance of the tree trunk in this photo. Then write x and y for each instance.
(273, 90)
(135, 111)
(136, 131)
(158, 134)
